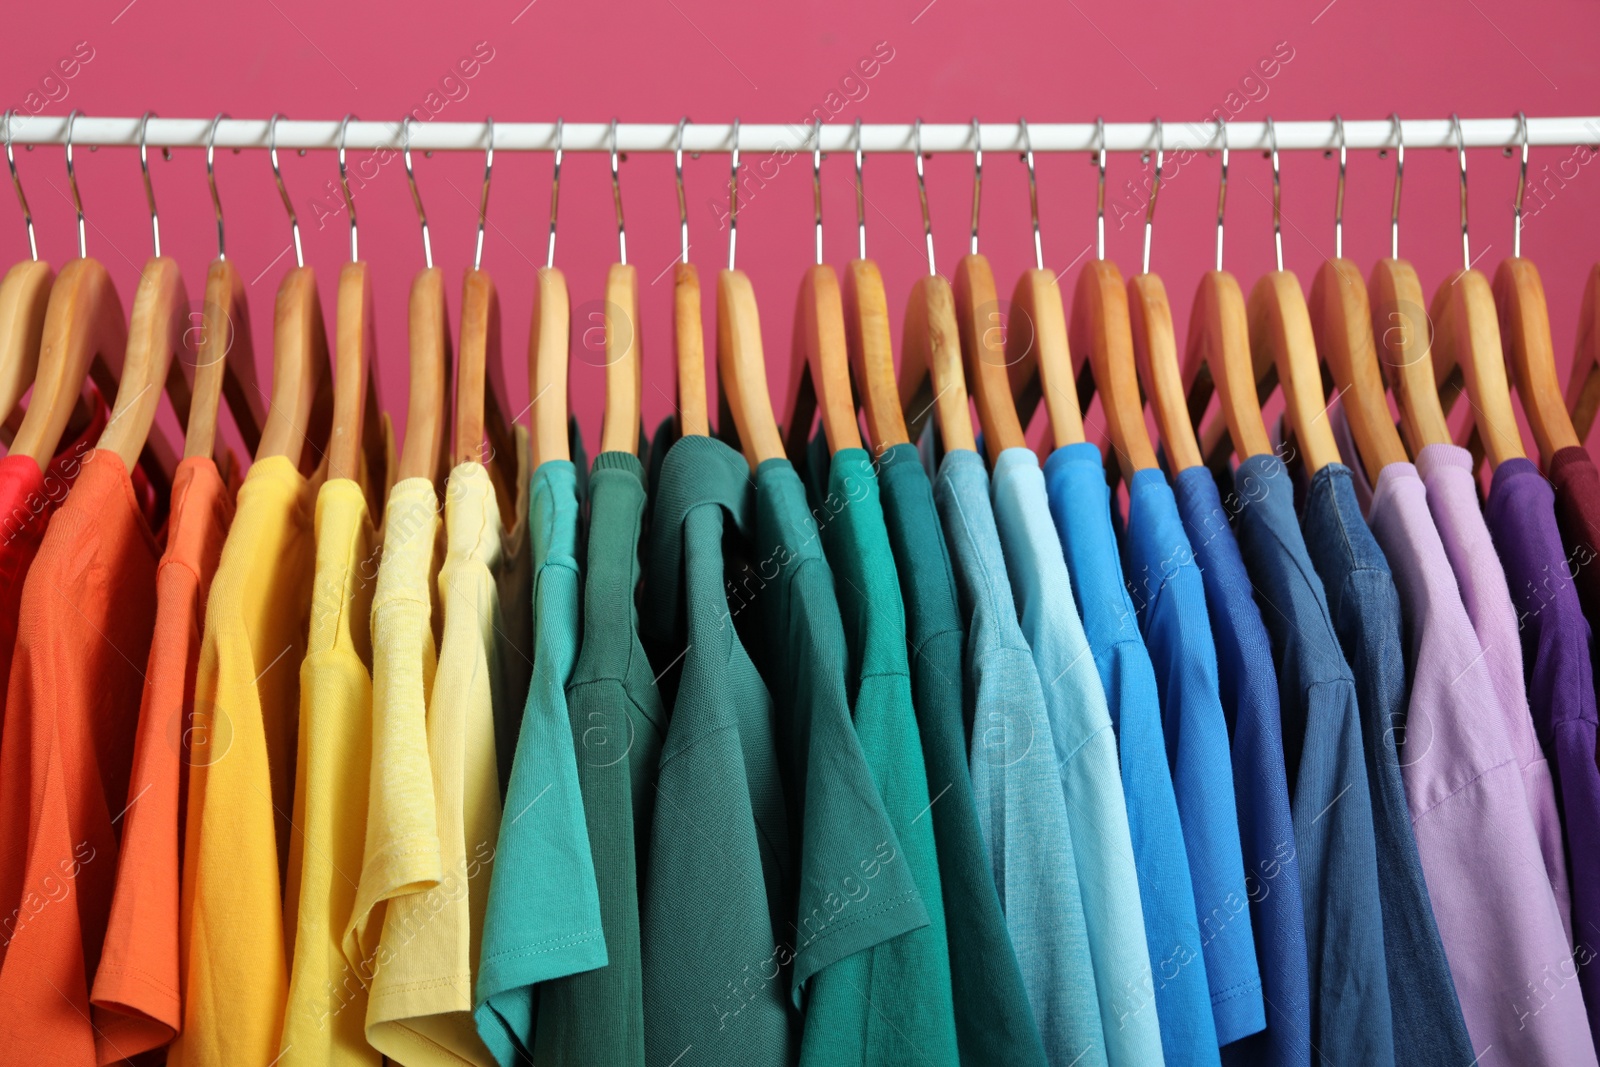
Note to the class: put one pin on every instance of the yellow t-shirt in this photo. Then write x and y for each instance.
(241, 749)
(324, 1022)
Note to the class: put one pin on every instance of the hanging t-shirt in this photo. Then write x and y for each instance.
(420, 1006)
(1330, 801)
(242, 745)
(1365, 609)
(1080, 504)
(1248, 687)
(87, 613)
(715, 934)
(324, 1019)
(1016, 783)
(994, 1022)
(1557, 649)
(544, 918)
(617, 724)
(1464, 787)
(1086, 753)
(28, 497)
(1170, 596)
(897, 991)
(514, 579)
(1446, 470)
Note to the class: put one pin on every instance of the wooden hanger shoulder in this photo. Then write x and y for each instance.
(871, 351)
(932, 380)
(299, 369)
(1155, 348)
(1102, 329)
(819, 368)
(1403, 336)
(619, 430)
(982, 328)
(1218, 358)
(1281, 337)
(155, 333)
(1525, 331)
(1341, 323)
(742, 369)
(689, 352)
(24, 297)
(1039, 357)
(548, 355)
(1467, 343)
(480, 415)
(1583, 387)
(427, 407)
(353, 344)
(224, 365)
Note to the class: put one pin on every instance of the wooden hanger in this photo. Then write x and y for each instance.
(356, 428)
(1155, 348)
(1467, 346)
(422, 454)
(819, 356)
(1525, 329)
(688, 331)
(619, 429)
(84, 332)
(24, 297)
(549, 343)
(867, 339)
(741, 366)
(301, 404)
(1583, 388)
(931, 375)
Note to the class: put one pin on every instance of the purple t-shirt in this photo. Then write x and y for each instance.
(1496, 914)
(1556, 648)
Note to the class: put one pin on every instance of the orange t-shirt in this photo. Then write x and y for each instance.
(88, 609)
(136, 995)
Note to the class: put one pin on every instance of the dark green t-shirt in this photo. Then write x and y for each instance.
(856, 887)
(617, 727)
(908, 978)
(994, 1023)
(714, 926)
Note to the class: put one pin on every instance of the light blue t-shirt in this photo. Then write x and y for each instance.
(1086, 752)
(1170, 596)
(1080, 503)
(1014, 779)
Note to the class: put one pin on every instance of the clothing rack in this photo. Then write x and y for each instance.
(772, 137)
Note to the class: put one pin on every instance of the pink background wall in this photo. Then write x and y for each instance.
(658, 59)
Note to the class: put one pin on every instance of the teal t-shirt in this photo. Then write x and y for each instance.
(617, 727)
(543, 918)
(907, 978)
(715, 934)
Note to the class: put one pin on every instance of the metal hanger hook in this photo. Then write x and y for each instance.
(1222, 186)
(211, 180)
(149, 190)
(16, 181)
(555, 197)
(344, 186)
(1522, 186)
(816, 180)
(1338, 196)
(416, 197)
(683, 204)
(1033, 194)
(1155, 190)
(1100, 189)
(616, 197)
(922, 194)
(1461, 154)
(861, 200)
(483, 198)
(1277, 193)
(977, 179)
(733, 198)
(1399, 179)
(72, 178)
(277, 176)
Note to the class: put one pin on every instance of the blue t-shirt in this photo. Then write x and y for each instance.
(1170, 596)
(1365, 607)
(1080, 503)
(1248, 687)
(1329, 799)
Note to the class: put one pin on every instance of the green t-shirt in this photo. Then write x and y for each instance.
(543, 919)
(716, 907)
(908, 978)
(856, 887)
(617, 726)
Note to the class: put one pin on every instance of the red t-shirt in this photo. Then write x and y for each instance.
(87, 615)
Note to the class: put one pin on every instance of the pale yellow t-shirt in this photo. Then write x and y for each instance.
(324, 1022)
(241, 748)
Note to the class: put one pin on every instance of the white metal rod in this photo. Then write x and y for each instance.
(796, 137)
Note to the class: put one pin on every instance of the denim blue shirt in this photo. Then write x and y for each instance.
(1080, 503)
